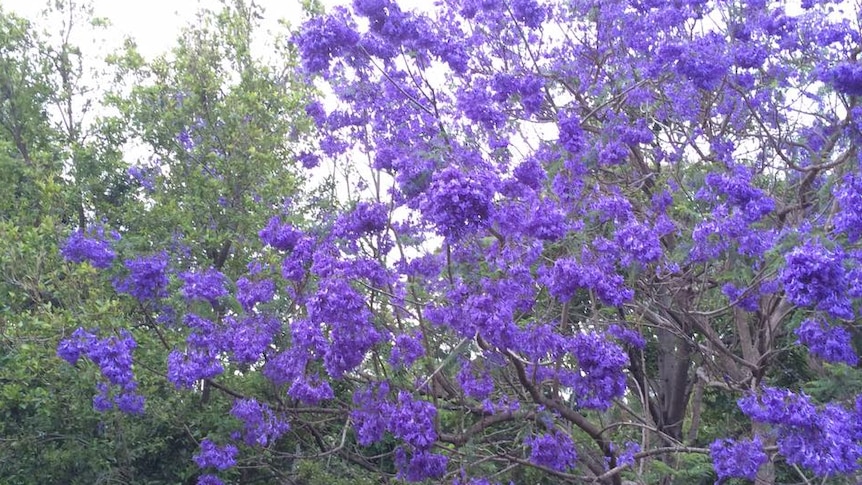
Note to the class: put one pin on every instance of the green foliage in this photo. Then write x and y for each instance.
(66, 170)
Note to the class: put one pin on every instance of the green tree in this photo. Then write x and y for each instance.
(64, 156)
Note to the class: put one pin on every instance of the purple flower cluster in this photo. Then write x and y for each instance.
(629, 337)
(339, 306)
(737, 191)
(779, 407)
(826, 441)
(200, 360)
(186, 368)
(703, 61)
(848, 195)
(260, 424)
(250, 292)
(602, 365)
(638, 242)
(847, 78)
(529, 12)
(530, 172)
(365, 218)
(476, 102)
(214, 456)
(147, 278)
(419, 465)
(208, 285)
(249, 337)
(409, 420)
(572, 136)
(370, 412)
(458, 203)
(568, 276)
(280, 236)
(814, 276)
(831, 343)
(478, 387)
(554, 450)
(737, 459)
(748, 301)
(413, 421)
(208, 479)
(113, 355)
(144, 175)
(407, 349)
(324, 38)
(91, 247)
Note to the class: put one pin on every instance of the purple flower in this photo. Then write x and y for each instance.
(185, 140)
(129, 402)
(260, 424)
(113, 355)
(370, 415)
(639, 242)
(352, 334)
(847, 78)
(530, 173)
(477, 387)
(324, 38)
(848, 194)
(627, 455)
(831, 343)
(187, 368)
(102, 400)
(147, 278)
(248, 338)
(310, 389)
(552, 450)
(572, 136)
(208, 285)
(91, 247)
(280, 236)
(737, 459)
(365, 218)
(413, 421)
(308, 160)
(477, 104)
(568, 276)
(458, 203)
(78, 343)
(826, 444)
(532, 91)
(529, 12)
(738, 296)
(144, 176)
(249, 293)
(627, 336)
(407, 349)
(601, 377)
(704, 61)
(814, 276)
(209, 480)
(778, 406)
(218, 457)
(421, 465)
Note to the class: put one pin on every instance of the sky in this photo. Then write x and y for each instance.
(155, 24)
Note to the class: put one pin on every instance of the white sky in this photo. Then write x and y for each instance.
(155, 24)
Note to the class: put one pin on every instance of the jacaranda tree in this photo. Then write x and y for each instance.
(581, 241)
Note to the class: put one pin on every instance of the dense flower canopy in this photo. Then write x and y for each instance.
(573, 221)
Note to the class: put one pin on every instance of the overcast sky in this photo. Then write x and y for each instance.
(154, 24)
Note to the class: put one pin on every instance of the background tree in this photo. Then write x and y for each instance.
(63, 157)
